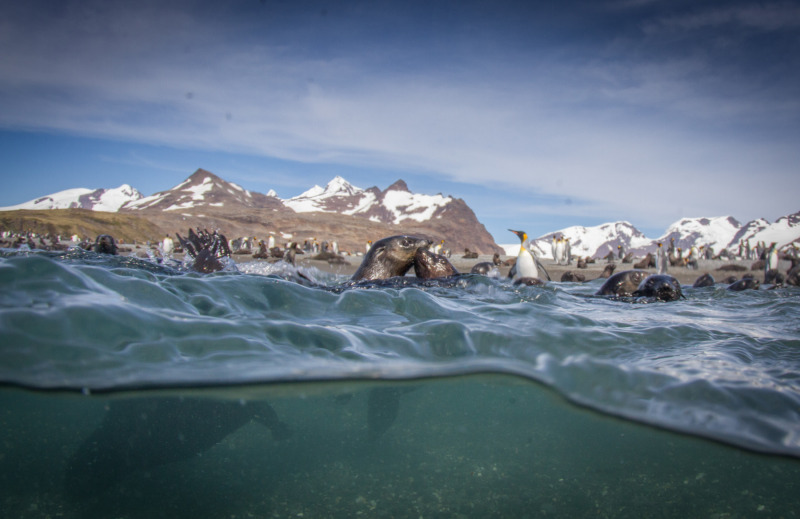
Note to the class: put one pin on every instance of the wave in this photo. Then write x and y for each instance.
(719, 364)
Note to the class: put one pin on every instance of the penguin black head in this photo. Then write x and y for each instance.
(522, 235)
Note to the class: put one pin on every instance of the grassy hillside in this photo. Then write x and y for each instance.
(84, 223)
(350, 231)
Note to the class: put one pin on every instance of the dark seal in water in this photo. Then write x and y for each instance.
(428, 265)
(745, 284)
(661, 287)
(622, 284)
(143, 433)
(390, 257)
(105, 244)
(706, 280)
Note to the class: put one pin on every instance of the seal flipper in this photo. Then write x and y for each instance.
(143, 433)
(383, 405)
(267, 416)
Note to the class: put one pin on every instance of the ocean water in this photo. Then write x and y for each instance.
(131, 389)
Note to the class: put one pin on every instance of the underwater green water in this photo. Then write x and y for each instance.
(480, 446)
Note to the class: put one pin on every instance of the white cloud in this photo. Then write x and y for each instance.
(632, 138)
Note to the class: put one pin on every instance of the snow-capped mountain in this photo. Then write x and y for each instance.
(595, 241)
(107, 200)
(338, 196)
(782, 231)
(443, 216)
(204, 190)
(715, 232)
(718, 232)
(393, 205)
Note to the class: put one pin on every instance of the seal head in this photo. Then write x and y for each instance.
(622, 284)
(706, 280)
(428, 265)
(661, 287)
(745, 284)
(105, 244)
(390, 257)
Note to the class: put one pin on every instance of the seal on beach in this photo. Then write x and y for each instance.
(105, 244)
(647, 262)
(390, 257)
(706, 280)
(607, 271)
(732, 268)
(662, 287)
(428, 265)
(622, 284)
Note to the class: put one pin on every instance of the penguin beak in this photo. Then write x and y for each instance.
(521, 234)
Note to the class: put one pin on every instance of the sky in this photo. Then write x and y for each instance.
(540, 115)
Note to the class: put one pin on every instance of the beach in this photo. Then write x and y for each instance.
(684, 275)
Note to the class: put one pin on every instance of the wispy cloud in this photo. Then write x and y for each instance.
(648, 137)
(770, 16)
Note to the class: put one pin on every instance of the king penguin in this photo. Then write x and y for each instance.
(527, 265)
(661, 259)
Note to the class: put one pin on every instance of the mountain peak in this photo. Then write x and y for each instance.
(204, 189)
(340, 186)
(400, 185)
(105, 200)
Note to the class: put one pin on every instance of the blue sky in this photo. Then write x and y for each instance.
(540, 115)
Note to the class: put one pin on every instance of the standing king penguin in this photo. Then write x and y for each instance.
(527, 266)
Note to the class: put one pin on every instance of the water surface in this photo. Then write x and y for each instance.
(497, 400)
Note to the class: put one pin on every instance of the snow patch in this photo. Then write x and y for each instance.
(409, 206)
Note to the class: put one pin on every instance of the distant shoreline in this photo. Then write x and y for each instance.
(684, 275)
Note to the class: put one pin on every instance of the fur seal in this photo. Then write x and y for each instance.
(706, 280)
(389, 257)
(482, 268)
(206, 249)
(772, 276)
(573, 277)
(622, 284)
(662, 287)
(142, 433)
(607, 271)
(793, 276)
(428, 265)
(732, 268)
(745, 284)
(529, 282)
(647, 262)
(105, 244)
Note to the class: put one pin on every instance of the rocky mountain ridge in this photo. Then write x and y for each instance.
(327, 213)
(105, 200)
(723, 232)
(340, 212)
